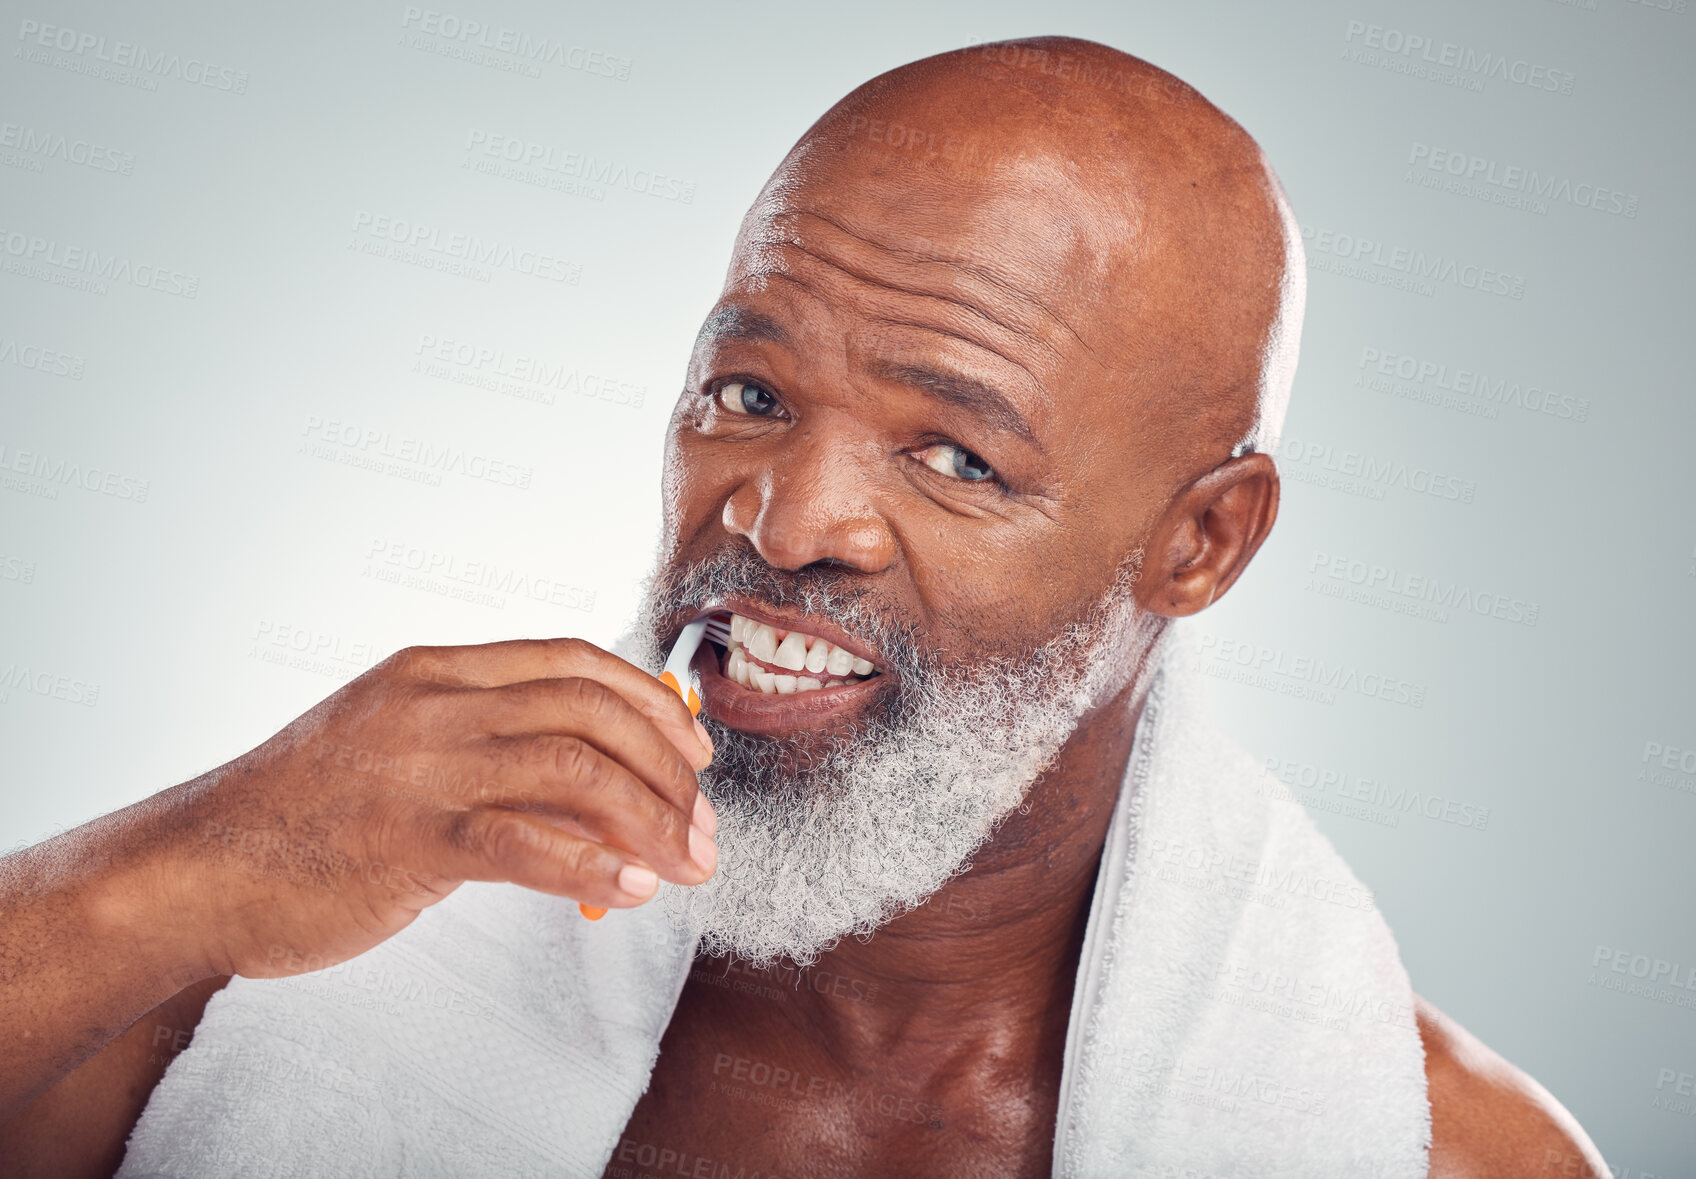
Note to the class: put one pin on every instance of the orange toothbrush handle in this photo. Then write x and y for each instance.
(690, 696)
(693, 699)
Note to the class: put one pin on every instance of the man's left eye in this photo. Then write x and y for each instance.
(955, 462)
(745, 397)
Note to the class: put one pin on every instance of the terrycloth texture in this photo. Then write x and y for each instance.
(500, 1034)
(1240, 1010)
(1240, 1006)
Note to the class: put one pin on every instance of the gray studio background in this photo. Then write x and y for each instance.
(1467, 648)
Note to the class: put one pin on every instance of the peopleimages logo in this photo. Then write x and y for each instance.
(482, 581)
(17, 676)
(1669, 766)
(86, 48)
(1643, 976)
(1261, 666)
(1315, 781)
(1422, 56)
(435, 248)
(515, 374)
(578, 166)
(41, 360)
(17, 569)
(1415, 588)
(84, 267)
(35, 473)
(411, 458)
(1402, 266)
(472, 40)
(305, 649)
(26, 147)
(1134, 84)
(1241, 868)
(1358, 473)
(1513, 185)
(1656, 971)
(1206, 1083)
(1380, 368)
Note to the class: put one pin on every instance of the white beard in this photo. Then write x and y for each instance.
(828, 843)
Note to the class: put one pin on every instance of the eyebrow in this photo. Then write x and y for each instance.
(984, 400)
(733, 322)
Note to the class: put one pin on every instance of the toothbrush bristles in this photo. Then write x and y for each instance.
(718, 629)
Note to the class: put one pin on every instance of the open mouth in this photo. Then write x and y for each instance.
(779, 662)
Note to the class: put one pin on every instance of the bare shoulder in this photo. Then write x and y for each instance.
(1488, 1118)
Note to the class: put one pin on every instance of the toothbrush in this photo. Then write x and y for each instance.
(682, 679)
(678, 675)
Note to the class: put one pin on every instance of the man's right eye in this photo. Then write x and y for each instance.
(745, 397)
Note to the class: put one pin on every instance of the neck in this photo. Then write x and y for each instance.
(992, 956)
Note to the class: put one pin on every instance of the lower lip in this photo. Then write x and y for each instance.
(753, 711)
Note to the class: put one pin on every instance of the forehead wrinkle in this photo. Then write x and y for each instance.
(1008, 289)
(895, 321)
(907, 260)
(785, 275)
(796, 280)
(941, 331)
(933, 327)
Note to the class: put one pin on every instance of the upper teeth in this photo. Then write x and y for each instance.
(797, 651)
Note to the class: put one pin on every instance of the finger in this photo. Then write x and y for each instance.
(569, 782)
(490, 665)
(509, 846)
(590, 710)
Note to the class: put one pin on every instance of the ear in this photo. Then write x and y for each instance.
(1207, 536)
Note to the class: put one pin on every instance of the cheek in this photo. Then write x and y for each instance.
(698, 478)
(989, 594)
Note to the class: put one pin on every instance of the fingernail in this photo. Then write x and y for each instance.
(705, 817)
(637, 881)
(701, 732)
(702, 849)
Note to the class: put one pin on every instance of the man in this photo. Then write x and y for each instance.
(987, 402)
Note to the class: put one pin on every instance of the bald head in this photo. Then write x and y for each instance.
(1111, 194)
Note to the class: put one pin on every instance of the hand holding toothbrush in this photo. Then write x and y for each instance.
(550, 764)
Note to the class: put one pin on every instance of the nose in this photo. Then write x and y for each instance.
(811, 504)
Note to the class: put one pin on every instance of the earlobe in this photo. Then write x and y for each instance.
(1172, 583)
(1208, 535)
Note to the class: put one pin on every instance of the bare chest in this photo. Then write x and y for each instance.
(740, 1098)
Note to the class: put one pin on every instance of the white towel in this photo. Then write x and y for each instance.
(1240, 1010)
